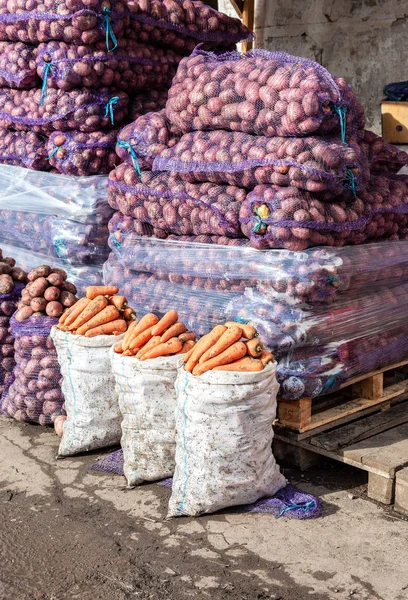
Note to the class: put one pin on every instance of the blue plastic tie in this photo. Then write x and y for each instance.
(110, 34)
(351, 182)
(259, 222)
(304, 507)
(332, 279)
(109, 108)
(241, 320)
(331, 380)
(133, 156)
(52, 153)
(342, 112)
(44, 88)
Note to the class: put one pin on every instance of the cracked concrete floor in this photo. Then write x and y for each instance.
(68, 534)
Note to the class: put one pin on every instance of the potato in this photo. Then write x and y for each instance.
(69, 287)
(5, 269)
(61, 273)
(23, 313)
(6, 284)
(51, 293)
(18, 274)
(145, 102)
(59, 425)
(38, 304)
(54, 309)
(37, 287)
(43, 271)
(9, 261)
(67, 299)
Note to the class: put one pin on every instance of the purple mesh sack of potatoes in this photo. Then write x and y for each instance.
(17, 65)
(383, 157)
(274, 217)
(8, 305)
(132, 67)
(82, 154)
(145, 102)
(262, 93)
(34, 394)
(80, 110)
(182, 24)
(176, 206)
(316, 164)
(23, 149)
(74, 22)
(141, 141)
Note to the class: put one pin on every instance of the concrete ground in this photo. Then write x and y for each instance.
(67, 533)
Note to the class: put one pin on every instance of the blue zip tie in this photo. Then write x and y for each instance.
(342, 112)
(133, 156)
(259, 223)
(52, 153)
(109, 108)
(241, 320)
(44, 88)
(110, 34)
(304, 507)
(350, 182)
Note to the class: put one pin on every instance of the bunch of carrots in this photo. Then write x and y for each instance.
(152, 338)
(101, 312)
(229, 347)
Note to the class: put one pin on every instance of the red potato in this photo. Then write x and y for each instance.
(37, 287)
(17, 65)
(43, 271)
(23, 149)
(145, 102)
(52, 293)
(38, 304)
(54, 309)
(67, 299)
(6, 284)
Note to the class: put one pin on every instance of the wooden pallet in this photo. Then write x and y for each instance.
(359, 397)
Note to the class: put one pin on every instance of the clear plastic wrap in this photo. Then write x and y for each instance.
(87, 111)
(34, 393)
(17, 65)
(82, 154)
(382, 156)
(182, 24)
(151, 101)
(23, 149)
(262, 93)
(320, 165)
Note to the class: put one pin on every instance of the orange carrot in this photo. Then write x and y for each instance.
(113, 327)
(64, 316)
(231, 354)
(243, 365)
(174, 331)
(145, 322)
(169, 319)
(110, 313)
(118, 348)
(128, 335)
(154, 341)
(92, 291)
(129, 314)
(203, 345)
(137, 342)
(248, 331)
(164, 349)
(120, 302)
(187, 336)
(187, 346)
(77, 308)
(266, 357)
(188, 355)
(255, 347)
(229, 337)
(94, 307)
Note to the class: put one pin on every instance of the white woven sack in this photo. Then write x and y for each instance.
(91, 403)
(224, 441)
(147, 402)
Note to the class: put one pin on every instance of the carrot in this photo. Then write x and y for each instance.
(113, 327)
(120, 302)
(229, 337)
(187, 346)
(129, 314)
(118, 348)
(248, 331)
(64, 316)
(146, 322)
(92, 291)
(255, 348)
(169, 319)
(231, 354)
(154, 341)
(94, 307)
(266, 357)
(187, 336)
(243, 365)
(128, 335)
(187, 356)
(77, 308)
(110, 313)
(164, 349)
(137, 342)
(173, 331)
(203, 345)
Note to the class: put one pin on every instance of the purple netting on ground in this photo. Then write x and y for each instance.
(81, 22)
(151, 101)
(23, 149)
(288, 502)
(83, 154)
(141, 141)
(169, 203)
(34, 393)
(323, 165)
(182, 24)
(262, 93)
(79, 110)
(382, 156)
(8, 305)
(17, 65)
(132, 67)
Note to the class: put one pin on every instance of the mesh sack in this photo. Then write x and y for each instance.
(167, 202)
(61, 111)
(34, 393)
(17, 66)
(182, 24)
(23, 149)
(144, 139)
(145, 102)
(132, 67)
(78, 22)
(262, 93)
(320, 165)
(382, 156)
(273, 217)
(8, 305)
(83, 154)
(397, 92)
